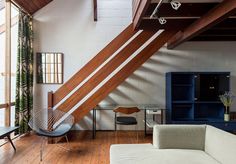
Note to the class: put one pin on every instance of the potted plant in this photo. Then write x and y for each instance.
(227, 100)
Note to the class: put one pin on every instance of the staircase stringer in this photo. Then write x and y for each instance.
(106, 70)
(92, 65)
(124, 73)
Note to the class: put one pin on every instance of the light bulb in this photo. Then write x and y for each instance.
(175, 4)
(162, 20)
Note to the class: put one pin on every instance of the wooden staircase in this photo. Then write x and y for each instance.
(136, 39)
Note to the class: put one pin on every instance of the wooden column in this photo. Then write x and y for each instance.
(8, 62)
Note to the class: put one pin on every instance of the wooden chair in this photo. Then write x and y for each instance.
(126, 120)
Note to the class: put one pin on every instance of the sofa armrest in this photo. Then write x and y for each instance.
(220, 145)
(179, 136)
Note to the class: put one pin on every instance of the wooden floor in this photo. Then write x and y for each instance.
(84, 150)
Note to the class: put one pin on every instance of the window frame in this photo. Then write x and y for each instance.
(6, 28)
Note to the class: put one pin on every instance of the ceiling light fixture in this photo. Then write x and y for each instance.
(175, 4)
(162, 20)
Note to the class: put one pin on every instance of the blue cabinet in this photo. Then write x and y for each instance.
(193, 98)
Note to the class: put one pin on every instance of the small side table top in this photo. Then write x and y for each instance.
(6, 131)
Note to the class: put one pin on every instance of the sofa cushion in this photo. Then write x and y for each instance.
(147, 154)
(220, 145)
(179, 136)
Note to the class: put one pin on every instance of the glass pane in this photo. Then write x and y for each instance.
(48, 69)
(2, 117)
(43, 58)
(56, 77)
(59, 58)
(48, 58)
(59, 68)
(12, 116)
(14, 39)
(60, 78)
(2, 12)
(52, 59)
(2, 57)
(52, 68)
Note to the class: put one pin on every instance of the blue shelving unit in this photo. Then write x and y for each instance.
(193, 98)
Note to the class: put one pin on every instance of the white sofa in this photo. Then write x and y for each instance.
(179, 144)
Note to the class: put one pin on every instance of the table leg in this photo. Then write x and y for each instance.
(162, 115)
(9, 138)
(145, 121)
(94, 123)
(95, 119)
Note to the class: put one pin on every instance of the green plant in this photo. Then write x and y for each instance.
(227, 99)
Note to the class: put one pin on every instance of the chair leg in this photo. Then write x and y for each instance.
(66, 149)
(116, 136)
(66, 139)
(136, 129)
(41, 149)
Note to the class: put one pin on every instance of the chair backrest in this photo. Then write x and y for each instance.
(49, 121)
(126, 110)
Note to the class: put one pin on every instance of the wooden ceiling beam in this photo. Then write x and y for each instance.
(211, 18)
(219, 32)
(227, 24)
(186, 10)
(32, 6)
(142, 7)
(28, 7)
(172, 24)
(95, 10)
(214, 38)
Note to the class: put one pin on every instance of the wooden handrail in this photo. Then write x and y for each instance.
(106, 70)
(124, 73)
(93, 64)
(2, 106)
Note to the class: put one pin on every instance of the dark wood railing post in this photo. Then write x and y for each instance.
(50, 100)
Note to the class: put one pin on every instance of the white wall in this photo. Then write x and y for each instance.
(69, 28)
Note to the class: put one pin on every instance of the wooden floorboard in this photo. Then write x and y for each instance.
(84, 149)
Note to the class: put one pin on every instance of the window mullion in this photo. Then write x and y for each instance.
(8, 62)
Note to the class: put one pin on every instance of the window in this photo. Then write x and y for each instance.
(14, 44)
(2, 62)
(50, 68)
(7, 87)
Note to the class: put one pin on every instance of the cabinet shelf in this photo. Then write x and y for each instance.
(208, 119)
(208, 102)
(193, 97)
(182, 85)
(182, 102)
(183, 119)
